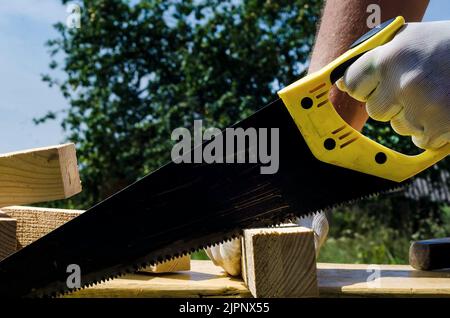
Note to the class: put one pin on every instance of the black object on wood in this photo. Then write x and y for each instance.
(430, 254)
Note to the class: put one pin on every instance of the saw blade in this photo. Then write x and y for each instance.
(181, 208)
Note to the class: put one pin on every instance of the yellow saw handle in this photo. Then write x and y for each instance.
(330, 138)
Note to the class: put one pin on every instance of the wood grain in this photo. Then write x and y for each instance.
(204, 280)
(280, 262)
(335, 280)
(8, 241)
(38, 175)
(364, 280)
(33, 222)
(179, 264)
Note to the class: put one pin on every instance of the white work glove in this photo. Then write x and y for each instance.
(407, 82)
(228, 254)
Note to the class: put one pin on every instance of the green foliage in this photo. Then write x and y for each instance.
(199, 255)
(137, 71)
(381, 230)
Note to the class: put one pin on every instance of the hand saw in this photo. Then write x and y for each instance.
(181, 208)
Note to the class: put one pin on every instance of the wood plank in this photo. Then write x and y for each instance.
(33, 222)
(335, 280)
(8, 241)
(179, 264)
(280, 262)
(363, 280)
(204, 280)
(38, 175)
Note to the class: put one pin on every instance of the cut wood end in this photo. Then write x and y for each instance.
(33, 209)
(279, 230)
(33, 222)
(279, 262)
(8, 240)
(69, 170)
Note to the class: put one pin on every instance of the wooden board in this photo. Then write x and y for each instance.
(362, 280)
(182, 263)
(280, 262)
(335, 280)
(204, 280)
(33, 222)
(38, 175)
(8, 241)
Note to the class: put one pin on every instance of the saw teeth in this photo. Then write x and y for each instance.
(275, 221)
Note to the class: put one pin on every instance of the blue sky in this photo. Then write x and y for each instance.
(25, 25)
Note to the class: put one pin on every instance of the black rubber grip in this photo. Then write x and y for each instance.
(339, 71)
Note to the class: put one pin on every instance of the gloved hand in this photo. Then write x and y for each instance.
(407, 82)
(228, 254)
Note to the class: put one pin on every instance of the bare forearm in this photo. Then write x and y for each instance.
(343, 21)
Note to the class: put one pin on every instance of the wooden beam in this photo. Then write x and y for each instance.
(280, 262)
(179, 264)
(335, 280)
(38, 175)
(33, 222)
(203, 281)
(379, 280)
(8, 241)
